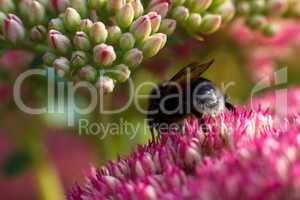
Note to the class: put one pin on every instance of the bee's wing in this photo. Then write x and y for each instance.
(191, 72)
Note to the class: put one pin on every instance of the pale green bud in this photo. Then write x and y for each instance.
(38, 33)
(72, 19)
(57, 24)
(258, 5)
(180, 14)
(270, 30)
(155, 20)
(115, 5)
(200, 5)
(141, 28)
(80, 6)
(37, 13)
(137, 7)
(133, 57)
(127, 41)
(86, 25)
(104, 55)
(81, 41)
(105, 84)
(167, 26)
(120, 73)
(194, 21)
(98, 33)
(153, 44)
(95, 4)
(78, 59)
(178, 2)
(88, 73)
(59, 42)
(161, 9)
(210, 24)
(114, 34)
(61, 66)
(125, 16)
(226, 10)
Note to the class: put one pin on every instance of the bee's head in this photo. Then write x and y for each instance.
(207, 99)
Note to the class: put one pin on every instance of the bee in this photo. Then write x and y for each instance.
(184, 94)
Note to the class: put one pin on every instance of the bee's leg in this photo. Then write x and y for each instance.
(201, 121)
(229, 106)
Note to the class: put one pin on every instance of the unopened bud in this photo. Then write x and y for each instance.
(141, 28)
(137, 7)
(38, 33)
(104, 55)
(95, 4)
(133, 57)
(114, 34)
(125, 16)
(81, 41)
(257, 5)
(270, 30)
(37, 13)
(115, 5)
(59, 42)
(257, 21)
(105, 84)
(98, 33)
(180, 14)
(80, 6)
(155, 20)
(153, 44)
(200, 5)
(7, 6)
(244, 7)
(61, 66)
(56, 24)
(120, 73)
(194, 21)
(58, 6)
(210, 24)
(86, 25)
(72, 19)
(167, 26)
(48, 58)
(178, 2)
(13, 28)
(88, 73)
(127, 41)
(161, 9)
(277, 7)
(78, 59)
(226, 10)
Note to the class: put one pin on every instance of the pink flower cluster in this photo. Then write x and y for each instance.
(244, 155)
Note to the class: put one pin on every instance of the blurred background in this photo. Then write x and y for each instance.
(40, 155)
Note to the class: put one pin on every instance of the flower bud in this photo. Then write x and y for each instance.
(56, 24)
(105, 84)
(78, 59)
(243, 8)
(115, 5)
(167, 26)
(81, 41)
(80, 6)
(200, 5)
(48, 58)
(114, 34)
(37, 13)
(257, 21)
(104, 55)
(59, 42)
(2, 18)
(137, 7)
(125, 16)
(127, 41)
(155, 20)
(13, 29)
(38, 33)
(7, 6)
(210, 23)
(133, 57)
(153, 44)
(72, 19)
(120, 73)
(58, 6)
(98, 33)
(178, 2)
(88, 73)
(141, 28)
(194, 21)
(180, 14)
(257, 5)
(277, 7)
(86, 25)
(226, 10)
(61, 66)
(270, 30)
(161, 9)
